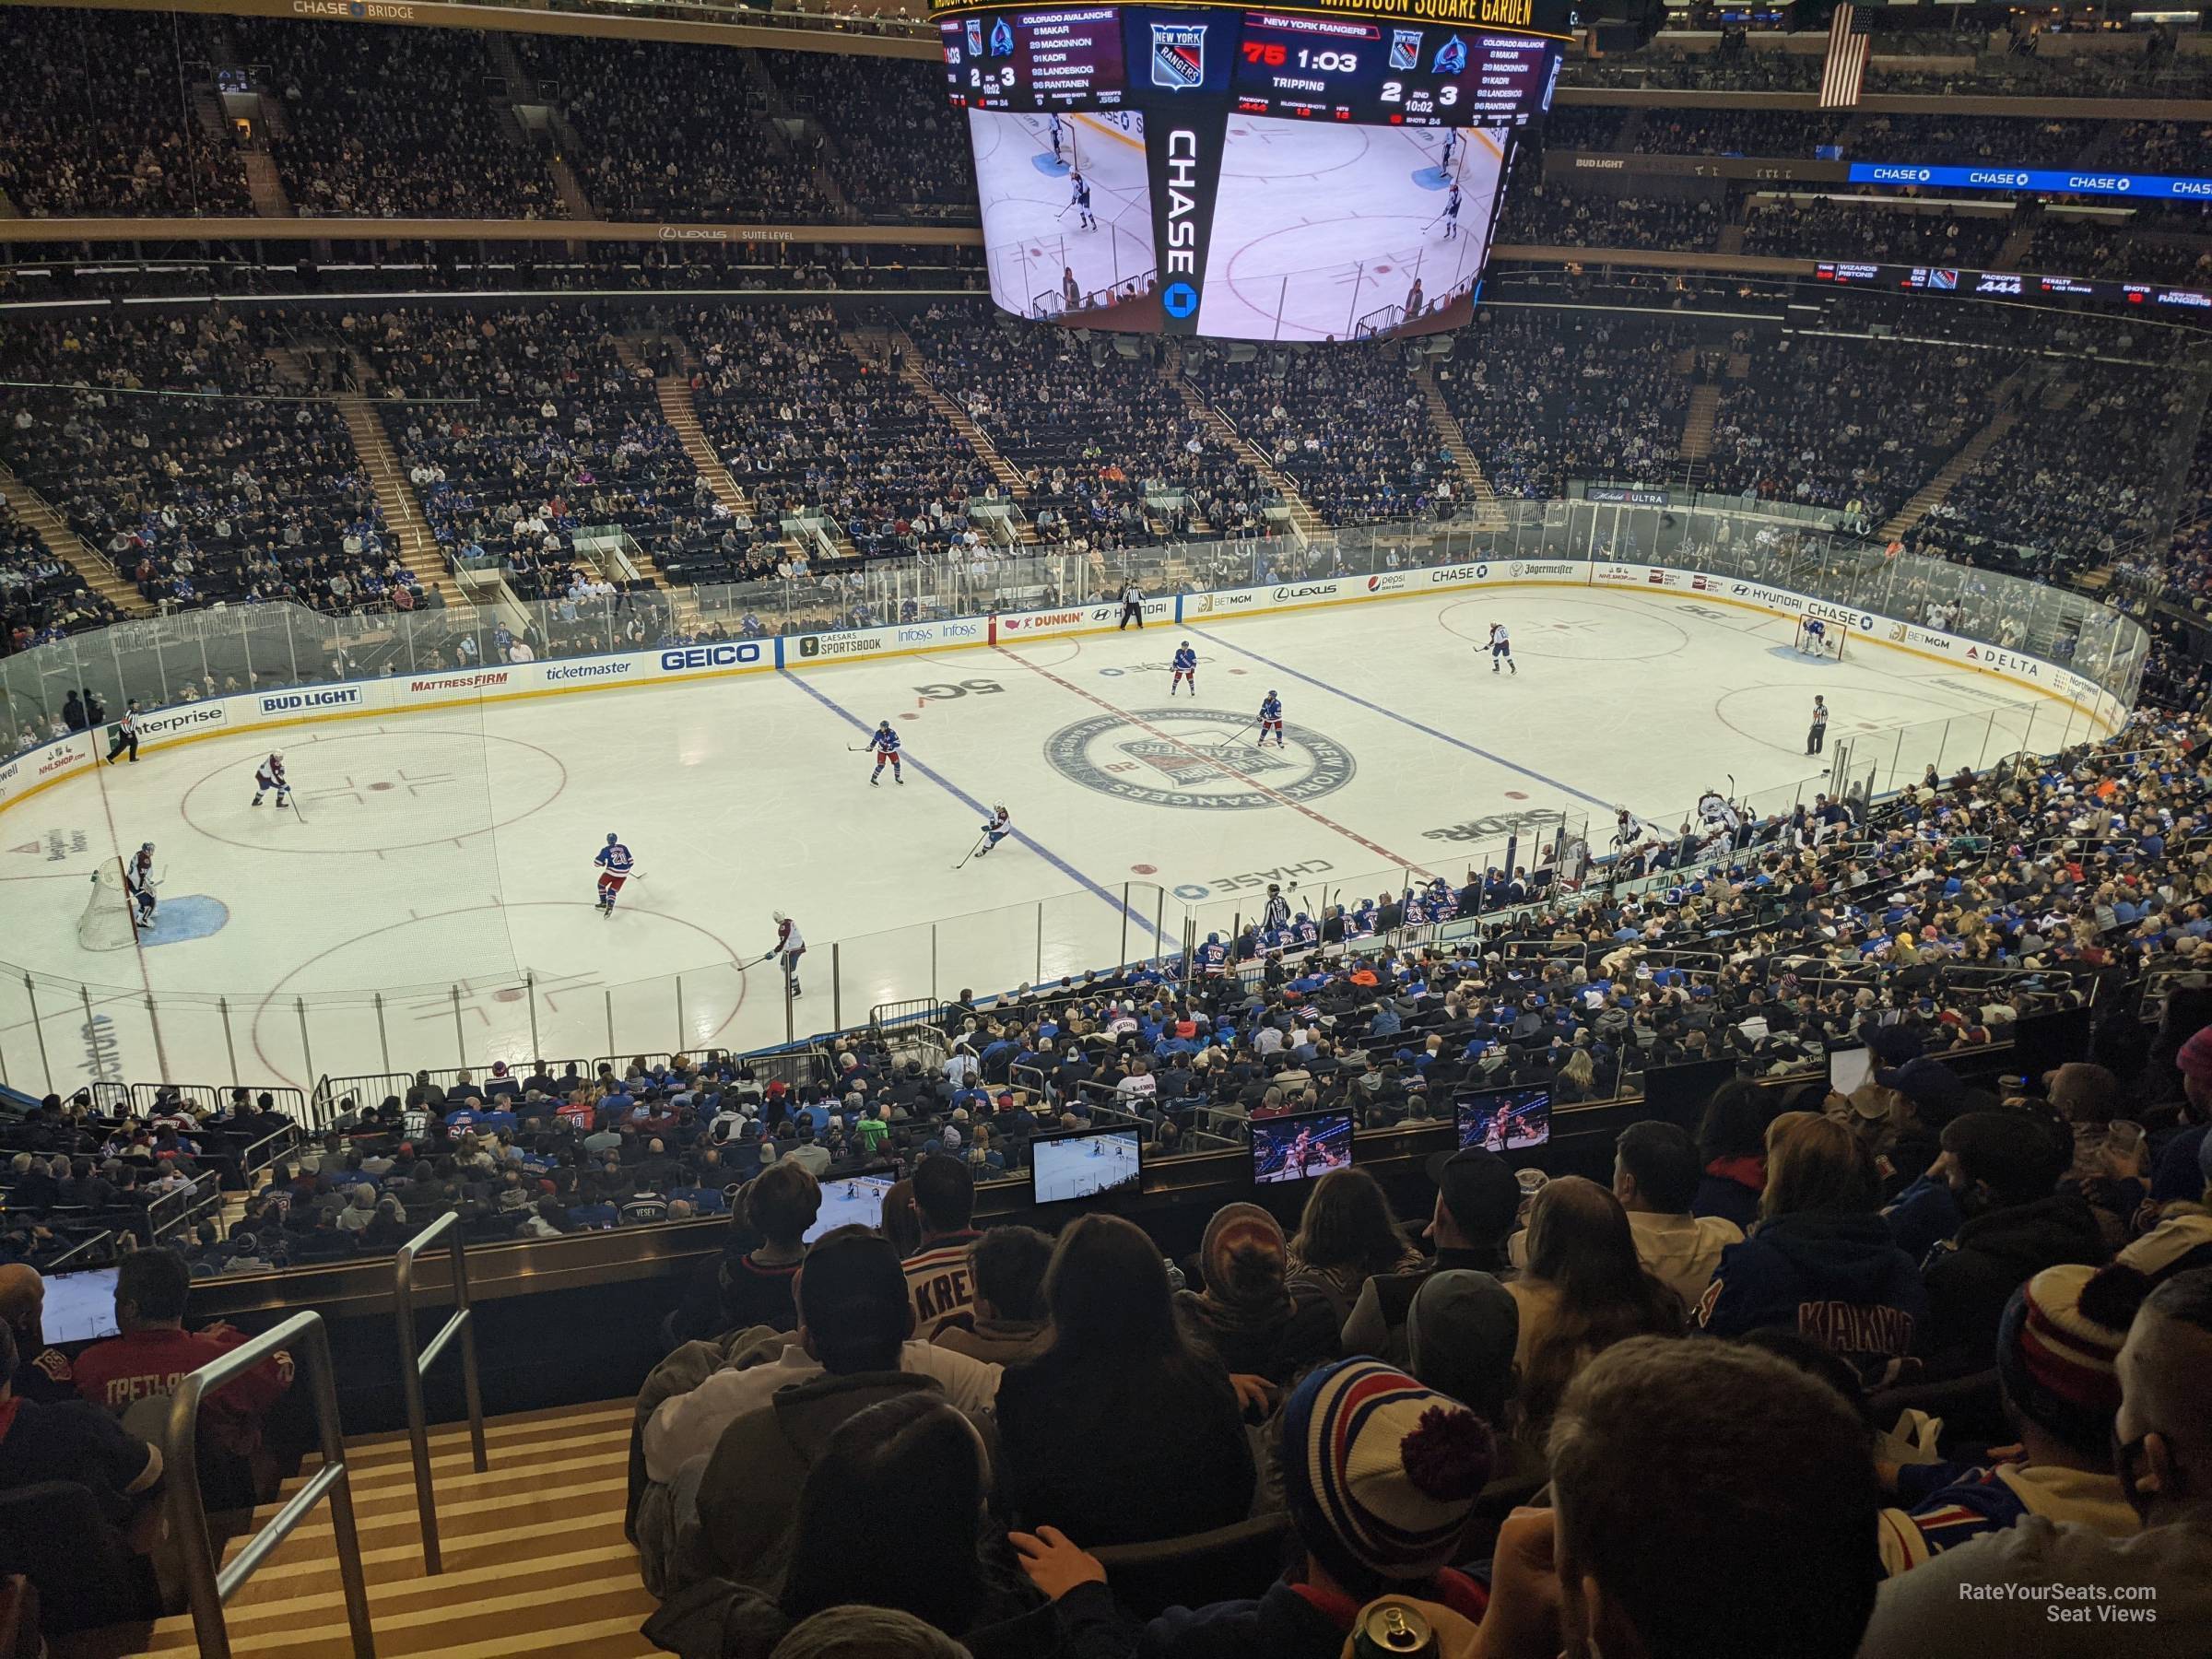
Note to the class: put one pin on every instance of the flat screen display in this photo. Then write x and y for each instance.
(1330, 231)
(1068, 212)
(849, 1200)
(1060, 58)
(80, 1307)
(1503, 1120)
(1286, 1150)
(1086, 1165)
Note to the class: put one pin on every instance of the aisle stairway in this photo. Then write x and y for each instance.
(948, 410)
(65, 545)
(1697, 423)
(1933, 492)
(1303, 519)
(1477, 487)
(402, 514)
(535, 1561)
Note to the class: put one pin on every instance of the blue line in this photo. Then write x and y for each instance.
(1458, 742)
(974, 806)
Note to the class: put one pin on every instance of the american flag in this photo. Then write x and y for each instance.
(1844, 73)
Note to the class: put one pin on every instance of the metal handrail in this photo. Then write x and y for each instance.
(461, 1323)
(210, 1590)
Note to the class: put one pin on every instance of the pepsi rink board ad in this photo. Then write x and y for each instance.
(1263, 174)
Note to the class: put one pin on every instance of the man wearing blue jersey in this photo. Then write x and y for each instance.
(886, 744)
(1185, 664)
(614, 862)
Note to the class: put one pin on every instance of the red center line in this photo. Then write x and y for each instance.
(1322, 819)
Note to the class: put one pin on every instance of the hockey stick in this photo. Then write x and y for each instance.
(972, 853)
(293, 802)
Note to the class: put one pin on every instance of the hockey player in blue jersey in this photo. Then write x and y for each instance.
(1305, 932)
(1271, 720)
(614, 862)
(1213, 957)
(1185, 664)
(995, 829)
(885, 742)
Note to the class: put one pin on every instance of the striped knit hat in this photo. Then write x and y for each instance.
(1380, 1473)
(2058, 1362)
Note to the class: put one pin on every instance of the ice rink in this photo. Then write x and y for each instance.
(1033, 239)
(1083, 1169)
(1319, 226)
(443, 859)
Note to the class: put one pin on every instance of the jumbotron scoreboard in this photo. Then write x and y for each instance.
(1320, 172)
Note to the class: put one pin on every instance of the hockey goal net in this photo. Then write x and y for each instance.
(106, 923)
(1828, 642)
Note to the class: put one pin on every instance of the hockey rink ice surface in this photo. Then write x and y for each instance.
(1082, 1174)
(1318, 225)
(440, 857)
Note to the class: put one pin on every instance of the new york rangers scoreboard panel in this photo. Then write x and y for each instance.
(1131, 159)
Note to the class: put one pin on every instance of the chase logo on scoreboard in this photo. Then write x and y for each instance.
(1179, 55)
(1199, 759)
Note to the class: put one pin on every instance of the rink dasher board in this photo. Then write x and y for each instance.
(36, 770)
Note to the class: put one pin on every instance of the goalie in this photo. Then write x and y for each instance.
(138, 883)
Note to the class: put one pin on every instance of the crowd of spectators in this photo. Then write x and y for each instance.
(1807, 1252)
(1956, 140)
(98, 121)
(1108, 458)
(1798, 133)
(392, 121)
(519, 429)
(808, 426)
(1829, 227)
(673, 132)
(1542, 214)
(896, 146)
(43, 597)
(1349, 428)
(174, 449)
(1542, 396)
(2103, 247)
(2029, 507)
(1781, 432)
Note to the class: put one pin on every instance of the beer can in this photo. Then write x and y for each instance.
(1394, 1629)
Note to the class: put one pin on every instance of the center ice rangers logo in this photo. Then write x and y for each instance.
(1177, 56)
(1195, 759)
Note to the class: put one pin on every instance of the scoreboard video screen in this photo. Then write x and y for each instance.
(1263, 174)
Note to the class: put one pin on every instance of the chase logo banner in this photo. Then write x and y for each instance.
(1179, 55)
(1404, 50)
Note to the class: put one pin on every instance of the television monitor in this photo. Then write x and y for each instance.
(1677, 1094)
(1286, 1150)
(80, 1307)
(1088, 1163)
(850, 1201)
(1504, 1119)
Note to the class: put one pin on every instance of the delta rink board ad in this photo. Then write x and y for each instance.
(35, 770)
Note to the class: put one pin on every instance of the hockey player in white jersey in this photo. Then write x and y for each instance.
(270, 775)
(789, 947)
(1501, 649)
(995, 829)
(139, 882)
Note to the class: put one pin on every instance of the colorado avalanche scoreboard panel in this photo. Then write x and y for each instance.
(1284, 174)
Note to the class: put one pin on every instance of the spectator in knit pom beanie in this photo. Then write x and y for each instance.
(1246, 1312)
(2058, 1358)
(1380, 1476)
(2176, 1175)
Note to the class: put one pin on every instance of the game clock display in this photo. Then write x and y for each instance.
(1388, 73)
(1353, 69)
